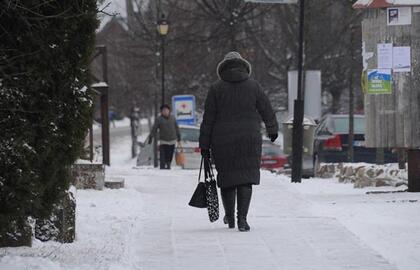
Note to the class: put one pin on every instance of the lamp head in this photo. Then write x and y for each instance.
(163, 26)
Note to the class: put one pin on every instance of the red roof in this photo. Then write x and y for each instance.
(385, 3)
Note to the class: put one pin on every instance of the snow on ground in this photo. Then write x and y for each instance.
(319, 224)
(387, 222)
(124, 122)
(105, 224)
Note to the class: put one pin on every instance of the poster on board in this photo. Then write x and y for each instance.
(402, 59)
(399, 15)
(385, 55)
(379, 81)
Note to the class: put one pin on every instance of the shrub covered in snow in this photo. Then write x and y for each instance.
(45, 107)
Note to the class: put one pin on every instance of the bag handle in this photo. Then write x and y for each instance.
(201, 168)
(180, 147)
(208, 169)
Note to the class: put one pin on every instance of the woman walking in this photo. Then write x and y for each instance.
(168, 136)
(231, 130)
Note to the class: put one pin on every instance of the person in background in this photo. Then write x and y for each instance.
(168, 136)
(234, 108)
(112, 115)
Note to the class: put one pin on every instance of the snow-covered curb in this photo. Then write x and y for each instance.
(364, 174)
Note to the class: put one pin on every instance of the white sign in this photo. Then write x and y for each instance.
(312, 92)
(366, 56)
(399, 15)
(273, 1)
(385, 55)
(402, 59)
(184, 109)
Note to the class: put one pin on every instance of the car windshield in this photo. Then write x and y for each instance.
(271, 150)
(190, 134)
(341, 125)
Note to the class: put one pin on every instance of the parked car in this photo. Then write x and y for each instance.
(331, 141)
(272, 156)
(190, 146)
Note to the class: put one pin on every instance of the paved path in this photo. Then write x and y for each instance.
(284, 235)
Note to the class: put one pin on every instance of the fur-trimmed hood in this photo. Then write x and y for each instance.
(234, 68)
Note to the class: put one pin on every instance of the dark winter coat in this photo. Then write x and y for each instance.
(168, 129)
(231, 125)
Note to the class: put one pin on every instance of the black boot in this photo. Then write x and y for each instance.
(244, 199)
(228, 199)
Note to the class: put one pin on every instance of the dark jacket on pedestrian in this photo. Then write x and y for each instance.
(231, 126)
(168, 129)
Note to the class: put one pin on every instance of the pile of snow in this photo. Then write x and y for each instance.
(105, 223)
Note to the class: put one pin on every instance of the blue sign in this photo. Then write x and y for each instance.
(184, 109)
(379, 81)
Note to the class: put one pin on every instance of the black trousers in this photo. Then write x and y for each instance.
(166, 154)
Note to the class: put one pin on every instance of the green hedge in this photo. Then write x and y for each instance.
(45, 108)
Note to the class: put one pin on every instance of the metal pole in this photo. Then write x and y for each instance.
(104, 110)
(155, 144)
(163, 70)
(350, 153)
(105, 126)
(299, 106)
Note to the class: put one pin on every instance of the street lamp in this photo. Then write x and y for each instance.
(163, 29)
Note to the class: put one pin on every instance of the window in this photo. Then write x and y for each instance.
(189, 134)
(271, 150)
(341, 125)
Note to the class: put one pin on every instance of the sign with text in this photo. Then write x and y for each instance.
(184, 109)
(379, 81)
(399, 16)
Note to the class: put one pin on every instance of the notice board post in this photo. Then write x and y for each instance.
(391, 78)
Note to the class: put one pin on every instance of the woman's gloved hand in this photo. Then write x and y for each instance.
(205, 153)
(273, 137)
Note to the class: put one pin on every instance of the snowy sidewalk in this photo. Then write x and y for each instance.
(149, 226)
(284, 234)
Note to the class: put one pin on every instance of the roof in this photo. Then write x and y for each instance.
(385, 3)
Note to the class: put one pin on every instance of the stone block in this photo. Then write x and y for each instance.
(88, 175)
(349, 172)
(383, 182)
(360, 172)
(114, 183)
(60, 226)
(363, 182)
(371, 172)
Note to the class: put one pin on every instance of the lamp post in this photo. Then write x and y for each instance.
(298, 113)
(163, 29)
